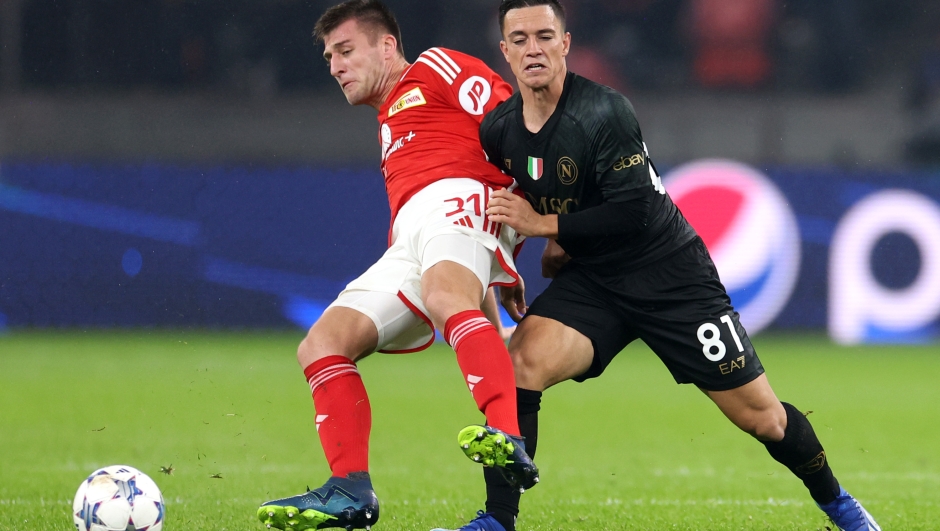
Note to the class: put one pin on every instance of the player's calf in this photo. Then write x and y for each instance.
(801, 452)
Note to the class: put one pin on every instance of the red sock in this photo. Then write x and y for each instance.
(344, 416)
(486, 367)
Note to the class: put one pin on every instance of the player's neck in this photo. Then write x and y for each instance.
(389, 81)
(538, 105)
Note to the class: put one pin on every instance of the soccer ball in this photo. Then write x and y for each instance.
(118, 498)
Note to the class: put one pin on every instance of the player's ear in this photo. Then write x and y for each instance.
(389, 45)
(505, 49)
(566, 43)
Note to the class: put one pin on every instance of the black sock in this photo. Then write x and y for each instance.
(502, 500)
(801, 452)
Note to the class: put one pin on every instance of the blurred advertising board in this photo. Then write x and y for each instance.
(856, 253)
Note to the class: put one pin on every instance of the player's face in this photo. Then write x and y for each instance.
(535, 45)
(355, 62)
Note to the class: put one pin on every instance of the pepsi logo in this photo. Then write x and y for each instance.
(749, 229)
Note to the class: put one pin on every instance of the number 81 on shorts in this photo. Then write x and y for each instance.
(709, 335)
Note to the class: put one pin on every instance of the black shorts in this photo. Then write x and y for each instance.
(677, 306)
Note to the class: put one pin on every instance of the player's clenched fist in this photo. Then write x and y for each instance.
(510, 209)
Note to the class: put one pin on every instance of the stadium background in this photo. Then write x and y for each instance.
(190, 164)
(183, 188)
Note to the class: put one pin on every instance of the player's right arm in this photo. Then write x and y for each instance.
(463, 81)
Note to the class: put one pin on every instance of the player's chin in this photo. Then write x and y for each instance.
(535, 81)
(353, 97)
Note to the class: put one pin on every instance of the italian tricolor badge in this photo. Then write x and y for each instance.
(535, 168)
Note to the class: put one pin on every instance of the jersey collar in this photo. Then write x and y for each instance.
(546, 130)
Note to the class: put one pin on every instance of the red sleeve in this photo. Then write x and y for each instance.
(465, 81)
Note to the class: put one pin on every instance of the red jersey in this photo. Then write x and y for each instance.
(429, 125)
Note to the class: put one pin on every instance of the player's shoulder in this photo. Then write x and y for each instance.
(505, 109)
(594, 104)
(499, 118)
(448, 64)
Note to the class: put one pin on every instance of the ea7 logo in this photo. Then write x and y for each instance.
(334, 490)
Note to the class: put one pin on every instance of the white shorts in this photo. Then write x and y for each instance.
(444, 221)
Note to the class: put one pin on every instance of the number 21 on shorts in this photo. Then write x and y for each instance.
(709, 335)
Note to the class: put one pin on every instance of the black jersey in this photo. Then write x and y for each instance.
(589, 152)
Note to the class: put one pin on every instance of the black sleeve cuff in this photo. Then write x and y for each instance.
(607, 219)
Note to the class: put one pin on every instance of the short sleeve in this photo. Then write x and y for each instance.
(622, 167)
(466, 81)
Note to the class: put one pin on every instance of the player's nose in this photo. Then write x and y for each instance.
(336, 67)
(532, 46)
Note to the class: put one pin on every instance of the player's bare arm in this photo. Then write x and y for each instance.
(510, 209)
(491, 310)
(513, 300)
(553, 257)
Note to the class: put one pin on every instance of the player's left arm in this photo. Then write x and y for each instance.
(490, 308)
(624, 175)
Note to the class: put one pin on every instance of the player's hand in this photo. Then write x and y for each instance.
(513, 299)
(553, 258)
(510, 209)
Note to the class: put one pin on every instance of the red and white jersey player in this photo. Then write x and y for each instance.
(438, 182)
(429, 126)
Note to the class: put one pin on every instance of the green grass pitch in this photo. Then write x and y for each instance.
(231, 413)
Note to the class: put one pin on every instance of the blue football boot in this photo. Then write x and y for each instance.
(348, 502)
(483, 522)
(493, 447)
(848, 514)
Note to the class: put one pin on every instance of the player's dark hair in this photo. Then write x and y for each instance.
(506, 5)
(371, 13)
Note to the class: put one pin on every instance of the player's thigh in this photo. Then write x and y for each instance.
(589, 334)
(456, 272)
(682, 312)
(367, 321)
(545, 352)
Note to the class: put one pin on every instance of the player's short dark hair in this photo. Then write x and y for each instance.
(372, 13)
(506, 5)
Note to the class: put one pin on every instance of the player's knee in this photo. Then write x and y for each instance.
(443, 304)
(439, 305)
(307, 351)
(319, 344)
(766, 425)
(530, 370)
(526, 368)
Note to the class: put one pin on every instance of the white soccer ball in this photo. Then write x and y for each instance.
(118, 498)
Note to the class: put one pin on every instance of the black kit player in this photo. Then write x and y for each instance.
(625, 263)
